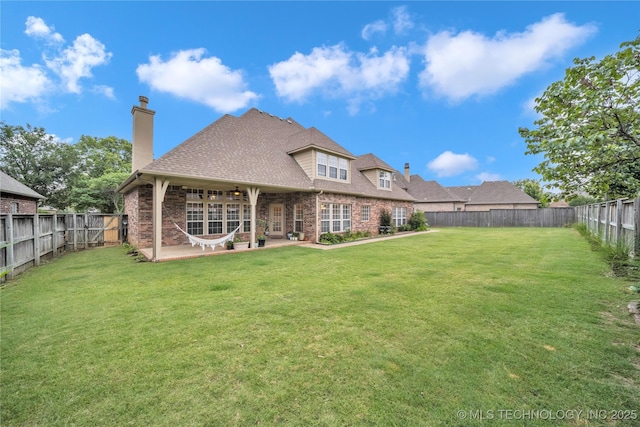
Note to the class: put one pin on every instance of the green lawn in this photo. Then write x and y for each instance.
(404, 332)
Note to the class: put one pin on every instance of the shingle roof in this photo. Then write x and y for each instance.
(10, 185)
(430, 191)
(255, 148)
(249, 149)
(497, 192)
(371, 161)
(313, 138)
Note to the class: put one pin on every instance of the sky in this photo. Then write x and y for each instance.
(443, 86)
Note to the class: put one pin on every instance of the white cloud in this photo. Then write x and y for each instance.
(30, 83)
(19, 83)
(337, 72)
(36, 27)
(77, 61)
(369, 30)
(451, 164)
(188, 74)
(106, 91)
(401, 20)
(465, 64)
(488, 176)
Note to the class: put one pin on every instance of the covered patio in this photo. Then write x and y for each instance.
(170, 253)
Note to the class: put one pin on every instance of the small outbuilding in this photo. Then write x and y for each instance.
(17, 198)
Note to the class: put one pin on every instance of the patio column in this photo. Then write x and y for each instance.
(159, 189)
(253, 199)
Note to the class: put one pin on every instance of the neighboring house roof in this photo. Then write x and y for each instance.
(463, 192)
(494, 192)
(430, 191)
(256, 149)
(559, 204)
(10, 185)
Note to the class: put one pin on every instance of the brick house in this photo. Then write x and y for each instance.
(252, 170)
(17, 198)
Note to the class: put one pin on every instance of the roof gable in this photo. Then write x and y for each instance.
(371, 161)
(313, 138)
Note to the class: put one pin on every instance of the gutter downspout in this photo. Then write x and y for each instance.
(318, 222)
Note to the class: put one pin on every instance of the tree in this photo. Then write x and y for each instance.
(589, 132)
(80, 176)
(582, 200)
(104, 163)
(40, 161)
(100, 156)
(99, 193)
(534, 189)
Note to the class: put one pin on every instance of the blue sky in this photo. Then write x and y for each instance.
(443, 86)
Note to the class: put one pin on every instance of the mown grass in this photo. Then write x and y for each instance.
(399, 332)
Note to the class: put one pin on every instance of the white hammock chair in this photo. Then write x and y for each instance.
(212, 243)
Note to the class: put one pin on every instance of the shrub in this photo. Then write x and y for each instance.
(417, 221)
(385, 218)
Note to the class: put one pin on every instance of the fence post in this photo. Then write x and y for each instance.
(75, 234)
(619, 221)
(8, 232)
(54, 236)
(36, 238)
(86, 231)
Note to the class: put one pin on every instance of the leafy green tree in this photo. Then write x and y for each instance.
(81, 176)
(99, 193)
(40, 161)
(104, 164)
(100, 156)
(589, 132)
(582, 200)
(534, 189)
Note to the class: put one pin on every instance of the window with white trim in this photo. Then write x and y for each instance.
(365, 213)
(233, 216)
(322, 164)
(344, 165)
(246, 218)
(335, 217)
(221, 212)
(15, 207)
(332, 167)
(298, 218)
(385, 180)
(215, 215)
(399, 216)
(346, 217)
(195, 217)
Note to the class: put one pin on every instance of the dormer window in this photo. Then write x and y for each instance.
(343, 169)
(384, 180)
(332, 167)
(322, 164)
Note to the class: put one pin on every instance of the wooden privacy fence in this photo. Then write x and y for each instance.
(546, 217)
(615, 221)
(26, 239)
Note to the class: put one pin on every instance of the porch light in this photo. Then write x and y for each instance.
(236, 192)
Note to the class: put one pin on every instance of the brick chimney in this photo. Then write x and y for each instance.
(407, 174)
(142, 142)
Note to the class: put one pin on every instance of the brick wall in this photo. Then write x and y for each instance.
(139, 208)
(25, 204)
